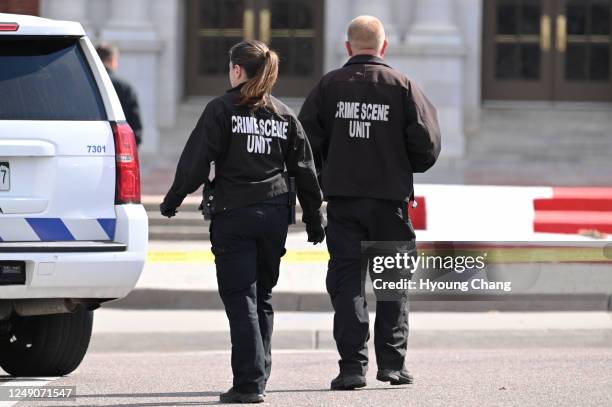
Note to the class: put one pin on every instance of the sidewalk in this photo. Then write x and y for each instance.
(182, 275)
(110, 320)
(157, 176)
(152, 331)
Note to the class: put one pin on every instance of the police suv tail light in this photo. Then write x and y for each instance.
(9, 26)
(127, 165)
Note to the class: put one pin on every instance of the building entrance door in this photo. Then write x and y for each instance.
(294, 28)
(547, 50)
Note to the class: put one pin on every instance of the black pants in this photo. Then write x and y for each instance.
(248, 244)
(350, 221)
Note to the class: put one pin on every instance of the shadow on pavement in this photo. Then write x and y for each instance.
(175, 394)
(7, 378)
(154, 404)
(341, 391)
(153, 395)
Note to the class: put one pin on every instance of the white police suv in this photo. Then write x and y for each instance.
(72, 231)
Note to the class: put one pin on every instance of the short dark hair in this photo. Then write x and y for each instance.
(106, 51)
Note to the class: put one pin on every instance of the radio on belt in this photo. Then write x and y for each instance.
(208, 200)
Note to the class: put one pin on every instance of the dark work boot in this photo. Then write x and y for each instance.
(233, 396)
(348, 381)
(395, 377)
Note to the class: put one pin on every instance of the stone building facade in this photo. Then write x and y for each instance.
(464, 53)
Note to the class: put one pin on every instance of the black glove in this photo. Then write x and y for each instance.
(316, 233)
(167, 210)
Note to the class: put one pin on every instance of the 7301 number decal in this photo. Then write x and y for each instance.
(96, 149)
(5, 176)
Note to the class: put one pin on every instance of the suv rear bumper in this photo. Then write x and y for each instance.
(62, 247)
(105, 270)
(76, 275)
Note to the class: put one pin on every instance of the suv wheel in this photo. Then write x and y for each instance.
(46, 345)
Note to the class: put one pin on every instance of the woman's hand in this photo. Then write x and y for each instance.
(167, 210)
(316, 233)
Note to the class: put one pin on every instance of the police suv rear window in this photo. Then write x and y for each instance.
(46, 78)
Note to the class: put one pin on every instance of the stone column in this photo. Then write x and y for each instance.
(337, 14)
(129, 27)
(70, 10)
(433, 23)
(381, 9)
(433, 56)
(130, 14)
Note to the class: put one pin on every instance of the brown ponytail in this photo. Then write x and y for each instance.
(261, 66)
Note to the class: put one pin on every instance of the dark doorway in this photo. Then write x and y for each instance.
(294, 28)
(557, 50)
(29, 7)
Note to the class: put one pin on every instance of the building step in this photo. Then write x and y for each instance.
(199, 232)
(188, 224)
(574, 210)
(185, 208)
(193, 219)
(573, 204)
(188, 207)
(572, 222)
(179, 232)
(556, 133)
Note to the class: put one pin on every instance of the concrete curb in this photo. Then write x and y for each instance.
(147, 299)
(323, 340)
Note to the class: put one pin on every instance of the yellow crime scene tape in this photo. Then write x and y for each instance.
(206, 256)
(505, 255)
(495, 255)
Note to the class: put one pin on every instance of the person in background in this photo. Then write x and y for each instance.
(109, 54)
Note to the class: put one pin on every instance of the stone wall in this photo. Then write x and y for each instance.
(30, 7)
(435, 42)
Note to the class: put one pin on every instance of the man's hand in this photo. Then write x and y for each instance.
(316, 233)
(167, 210)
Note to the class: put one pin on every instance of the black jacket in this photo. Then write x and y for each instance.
(370, 129)
(251, 151)
(129, 103)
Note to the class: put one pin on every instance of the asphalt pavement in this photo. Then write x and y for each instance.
(179, 358)
(449, 377)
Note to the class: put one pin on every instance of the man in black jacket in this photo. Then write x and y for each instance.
(370, 129)
(126, 94)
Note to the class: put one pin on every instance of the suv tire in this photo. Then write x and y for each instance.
(46, 345)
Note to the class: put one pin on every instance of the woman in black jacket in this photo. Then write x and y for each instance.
(257, 144)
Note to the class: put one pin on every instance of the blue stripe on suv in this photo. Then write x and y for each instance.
(50, 229)
(109, 226)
